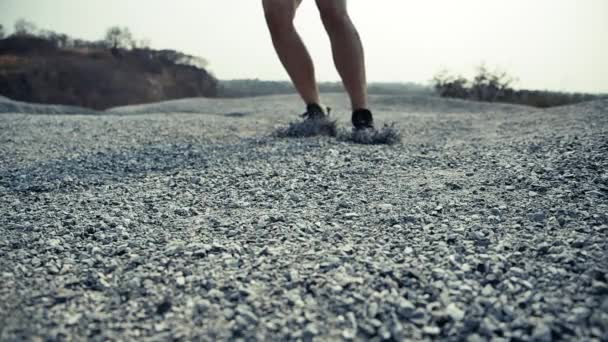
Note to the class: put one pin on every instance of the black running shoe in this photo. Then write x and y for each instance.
(362, 119)
(315, 112)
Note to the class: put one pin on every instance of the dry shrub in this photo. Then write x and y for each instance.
(495, 86)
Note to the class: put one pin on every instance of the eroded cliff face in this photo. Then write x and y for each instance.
(33, 70)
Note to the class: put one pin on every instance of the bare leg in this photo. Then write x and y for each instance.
(290, 48)
(347, 50)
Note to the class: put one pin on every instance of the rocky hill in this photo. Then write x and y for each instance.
(33, 69)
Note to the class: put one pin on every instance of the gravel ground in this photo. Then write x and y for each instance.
(486, 222)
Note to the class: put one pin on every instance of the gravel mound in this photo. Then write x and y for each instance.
(479, 225)
(192, 105)
(10, 106)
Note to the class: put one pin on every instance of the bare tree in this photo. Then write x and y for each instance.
(119, 37)
(1, 31)
(490, 85)
(25, 28)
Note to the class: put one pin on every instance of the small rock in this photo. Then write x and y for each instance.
(579, 243)
(543, 248)
(372, 309)
(454, 311)
(35, 262)
(580, 314)
(53, 269)
(493, 219)
(453, 186)
(217, 248)
(385, 333)
(229, 313)
(345, 280)
(134, 283)
(542, 333)
(294, 275)
(405, 307)
(54, 243)
(348, 248)
(201, 307)
(431, 330)
(474, 338)
(164, 307)
(385, 207)
(182, 211)
(247, 314)
(174, 249)
(419, 317)
(537, 217)
(599, 287)
(349, 334)
(72, 318)
(518, 271)
(310, 331)
(161, 326)
(487, 291)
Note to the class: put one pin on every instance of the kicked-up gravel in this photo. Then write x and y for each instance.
(191, 220)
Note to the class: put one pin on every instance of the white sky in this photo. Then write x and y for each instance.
(547, 44)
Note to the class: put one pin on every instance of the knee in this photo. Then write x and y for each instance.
(279, 15)
(333, 15)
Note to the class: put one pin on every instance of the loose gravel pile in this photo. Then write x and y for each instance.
(484, 223)
(11, 106)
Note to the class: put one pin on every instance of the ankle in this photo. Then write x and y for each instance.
(314, 106)
(362, 111)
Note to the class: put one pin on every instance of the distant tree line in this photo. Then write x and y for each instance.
(496, 86)
(257, 87)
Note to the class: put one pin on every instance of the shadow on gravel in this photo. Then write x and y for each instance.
(106, 167)
(101, 167)
(237, 114)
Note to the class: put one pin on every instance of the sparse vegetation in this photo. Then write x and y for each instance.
(496, 86)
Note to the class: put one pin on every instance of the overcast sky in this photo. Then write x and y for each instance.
(547, 44)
